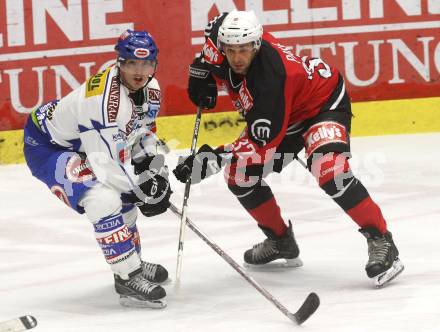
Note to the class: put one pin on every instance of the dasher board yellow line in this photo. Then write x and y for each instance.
(404, 116)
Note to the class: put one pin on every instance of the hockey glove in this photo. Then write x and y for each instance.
(205, 163)
(152, 196)
(202, 88)
(153, 163)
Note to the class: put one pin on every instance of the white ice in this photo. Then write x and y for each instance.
(51, 266)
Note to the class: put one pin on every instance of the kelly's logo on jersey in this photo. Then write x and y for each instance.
(324, 133)
(211, 53)
(245, 98)
(113, 100)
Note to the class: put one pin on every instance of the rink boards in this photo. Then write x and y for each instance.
(370, 119)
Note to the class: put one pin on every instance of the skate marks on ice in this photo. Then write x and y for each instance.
(68, 287)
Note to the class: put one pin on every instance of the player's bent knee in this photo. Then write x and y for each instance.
(100, 201)
(130, 215)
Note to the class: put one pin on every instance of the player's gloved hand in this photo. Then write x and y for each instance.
(157, 190)
(152, 196)
(205, 163)
(154, 163)
(202, 89)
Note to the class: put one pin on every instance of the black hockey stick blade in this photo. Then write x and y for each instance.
(28, 321)
(307, 309)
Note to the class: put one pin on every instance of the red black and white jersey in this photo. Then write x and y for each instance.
(279, 91)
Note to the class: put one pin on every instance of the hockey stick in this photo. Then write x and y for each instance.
(19, 324)
(305, 311)
(186, 196)
(299, 160)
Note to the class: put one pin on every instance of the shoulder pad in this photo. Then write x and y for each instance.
(153, 84)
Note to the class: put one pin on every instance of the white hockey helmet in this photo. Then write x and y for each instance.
(240, 27)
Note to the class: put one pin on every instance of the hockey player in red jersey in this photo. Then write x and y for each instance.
(289, 104)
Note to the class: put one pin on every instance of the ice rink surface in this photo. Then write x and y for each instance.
(51, 266)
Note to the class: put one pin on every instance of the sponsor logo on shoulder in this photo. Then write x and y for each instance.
(95, 85)
(113, 100)
(153, 95)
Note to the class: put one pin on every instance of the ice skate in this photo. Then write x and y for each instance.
(136, 291)
(383, 264)
(274, 252)
(154, 272)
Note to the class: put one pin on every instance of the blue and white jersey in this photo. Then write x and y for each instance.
(100, 119)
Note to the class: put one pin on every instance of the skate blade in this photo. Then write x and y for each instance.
(283, 263)
(385, 277)
(127, 301)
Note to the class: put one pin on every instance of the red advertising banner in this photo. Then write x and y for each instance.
(386, 49)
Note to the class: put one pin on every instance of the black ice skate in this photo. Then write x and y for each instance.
(154, 272)
(273, 249)
(383, 263)
(137, 291)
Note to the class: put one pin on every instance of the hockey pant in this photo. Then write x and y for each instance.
(328, 161)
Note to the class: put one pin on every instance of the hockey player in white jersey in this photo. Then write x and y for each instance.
(96, 151)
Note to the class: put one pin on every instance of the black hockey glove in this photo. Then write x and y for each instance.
(205, 163)
(153, 163)
(152, 196)
(202, 89)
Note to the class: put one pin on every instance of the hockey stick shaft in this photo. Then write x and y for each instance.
(308, 307)
(298, 159)
(186, 197)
